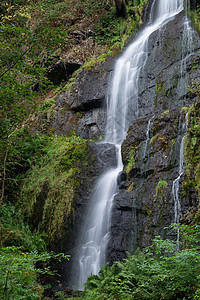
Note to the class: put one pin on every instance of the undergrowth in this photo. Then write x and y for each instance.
(48, 190)
(23, 257)
(157, 272)
(191, 182)
(195, 17)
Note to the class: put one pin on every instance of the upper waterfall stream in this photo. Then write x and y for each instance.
(122, 109)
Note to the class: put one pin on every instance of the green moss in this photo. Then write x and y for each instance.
(184, 109)
(165, 112)
(191, 180)
(195, 17)
(161, 189)
(71, 81)
(160, 91)
(131, 160)
(161, 87)
(51, 183)
(92, 62)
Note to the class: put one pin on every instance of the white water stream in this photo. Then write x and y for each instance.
(147, 137)
(187, 50)
(122, 108)
(175, 185)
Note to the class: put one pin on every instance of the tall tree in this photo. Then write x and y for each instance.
(121, 8)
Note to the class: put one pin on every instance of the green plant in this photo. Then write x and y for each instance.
(15, 232)
(19, 273)
(195, 17)
(161, 188)
(131, 160)
(192, 156)
(23, 257)
(158, 272)
(58, 174)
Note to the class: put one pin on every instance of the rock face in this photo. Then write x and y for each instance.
(144, 205)
(82, 107)
(166, 75)
(102, 157)
(62, 70)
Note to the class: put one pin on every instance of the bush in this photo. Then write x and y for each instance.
(158, 272)
(21, 254)
(19, 274)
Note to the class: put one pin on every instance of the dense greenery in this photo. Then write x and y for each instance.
(23, 257)
(158, 272)
(195, 15)
(191, 182)
(35, 34)
(57, 175)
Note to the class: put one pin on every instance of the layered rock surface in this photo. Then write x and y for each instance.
(144, 205)
(82, 107)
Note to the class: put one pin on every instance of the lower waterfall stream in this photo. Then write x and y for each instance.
(175, 185)
(122, 109)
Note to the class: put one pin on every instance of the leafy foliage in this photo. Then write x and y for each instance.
(19, 274)
(195, 17)
(158, 272)
(34, 35)
(55, 174)
(15, 232)
(192, 156)
(23, 257)
(23, 149)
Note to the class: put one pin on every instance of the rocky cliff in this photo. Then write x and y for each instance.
(151, 151)
(144, 205)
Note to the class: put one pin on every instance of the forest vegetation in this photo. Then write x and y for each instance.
(34, 35)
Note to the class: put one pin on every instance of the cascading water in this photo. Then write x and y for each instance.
(187, 48)
(97, 226)
(175, 185)
(147, 137)
(122, 109)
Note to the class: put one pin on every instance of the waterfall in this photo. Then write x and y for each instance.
(147, 137)
(175, 185)
(187, 48)
(97, 226)
(122, 110)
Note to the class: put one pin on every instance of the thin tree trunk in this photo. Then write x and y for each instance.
(4, 176)
(121, 8)
(4, 167)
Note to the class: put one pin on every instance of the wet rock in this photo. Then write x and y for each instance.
(144, 206)
(150, 161)
(83, 108)
(122, 227)
(90, 87)
(106, 156)
(162, 83)
(102, 158)
(81, 35)
(91, 125)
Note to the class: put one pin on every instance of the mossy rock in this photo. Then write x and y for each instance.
(50, 185)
